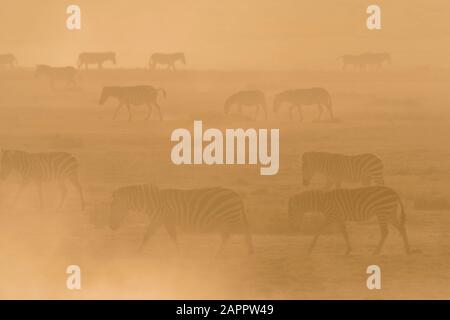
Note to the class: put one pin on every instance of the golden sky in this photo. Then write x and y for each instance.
(232, 34)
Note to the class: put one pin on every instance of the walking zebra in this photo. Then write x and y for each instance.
(167, 59)
(42, 167)
(199, 210)
(98, 58)
(56, 74)
(133, 95)
(247, 98)
(338, 168)
(365, 59)
(298, 97)
(341, 205)
(8, 60)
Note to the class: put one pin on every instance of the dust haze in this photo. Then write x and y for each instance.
(397, 110)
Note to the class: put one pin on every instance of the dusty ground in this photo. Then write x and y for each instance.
(402, 116)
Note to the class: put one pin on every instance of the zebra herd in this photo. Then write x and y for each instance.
(223, 210)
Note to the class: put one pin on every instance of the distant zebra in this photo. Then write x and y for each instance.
(365, 59)
(133, 95)
(57, 74)
(341, 205)
(338, 168)
(42, 167)
(199, 210)
(247, 98)
(298, 97)
(8, 60)
(98, 58)
(167, 59)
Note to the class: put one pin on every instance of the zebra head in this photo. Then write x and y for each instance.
(106, 93)
(7, 162)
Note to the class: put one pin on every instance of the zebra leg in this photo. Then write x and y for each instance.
(401, 228)
(316, 237)
(257, 111)
(225, 237)
(76, 183)
(117, 110)
(149, 114)
(39, 188)
(345, 234)
(384, 233)
(291, 112)
(129, 112)
(63, 188)
(300, 113)
(159, 110)
(19, 192)
(173, 234)
(320, 111)
(150, 231)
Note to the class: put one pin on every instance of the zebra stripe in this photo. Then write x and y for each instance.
(133, 95)
(341, 205)
(303, 97)
(98, 58)
(41, 167)
(199, 210)
(247, 98)
(338, 168)
(168, 59)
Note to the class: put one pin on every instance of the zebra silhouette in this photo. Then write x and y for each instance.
(247, 98)
(56, 74)
(338, 168)
(8, 60)
(363, 60)
(342, 205)
(199, 210)
(133, 95)
(42, 167)
(166, 59)
(297, 98)
(98, 58)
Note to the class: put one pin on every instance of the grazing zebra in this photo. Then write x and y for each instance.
(133, 95)
(41, 167)
(55, 74)
(8, 60)
(247, 98)
(199, 210)
(365, 59)
(341, 205)
(167, 59)
(338, 168)
(98, 58)
(298, 97)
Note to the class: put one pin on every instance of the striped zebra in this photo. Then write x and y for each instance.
(338, 168)
(57, 74)
(299, 97)
(133, 95)
(98, 58)
(167, 59)
(8, 60)
(247, 98)
(363, 60)
(42, 167)
(342, 205)
(199, 210)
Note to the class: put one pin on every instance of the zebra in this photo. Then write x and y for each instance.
(338, 168)
(298, 97)
(247, 98)
(200, 210)
(54, 74)
(168, 59)
(365, 59)
(342, 205)
(42, 167)
(8, 60)
(133, 95)
(98, 58)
